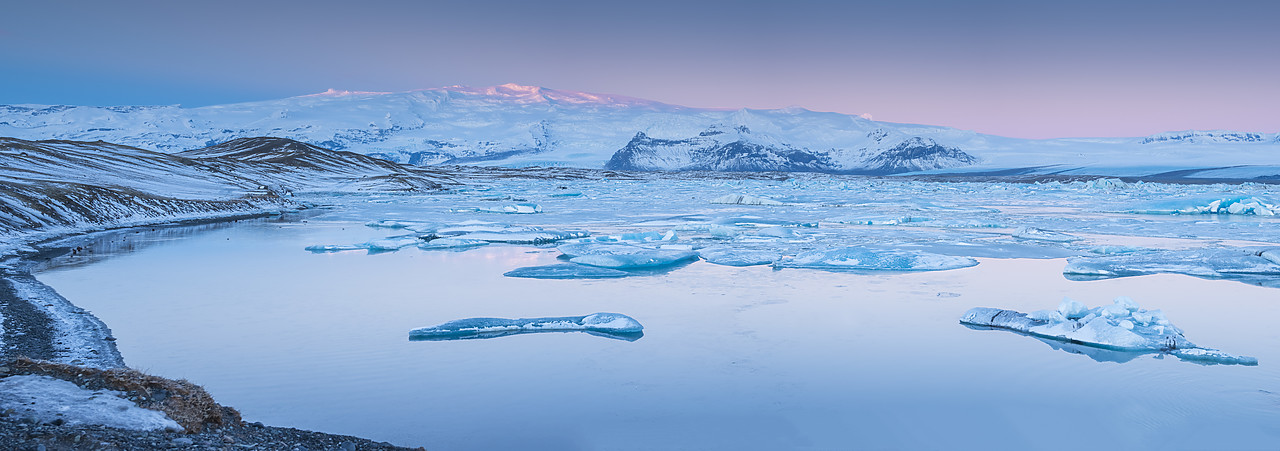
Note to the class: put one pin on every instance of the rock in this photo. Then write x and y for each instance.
(183, 441)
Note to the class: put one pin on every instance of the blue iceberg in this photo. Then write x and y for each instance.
(609, 325)
(1121, 326)
(566, 271)
(863, 259)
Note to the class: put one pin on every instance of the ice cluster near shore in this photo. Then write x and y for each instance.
(48, 399)
(1123, 325)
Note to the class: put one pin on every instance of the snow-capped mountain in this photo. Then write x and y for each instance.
(515, 126)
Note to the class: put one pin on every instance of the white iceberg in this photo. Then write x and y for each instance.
(611, 325)
(859, 258)
(1121, 326)
(566, 271)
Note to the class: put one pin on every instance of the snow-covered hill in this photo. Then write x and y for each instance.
(56, 185)
(512, 125)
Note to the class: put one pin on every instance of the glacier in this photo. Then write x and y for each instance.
(525, 126)
(1120, 326)
(609, 325)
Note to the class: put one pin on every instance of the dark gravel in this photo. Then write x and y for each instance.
(19, 434)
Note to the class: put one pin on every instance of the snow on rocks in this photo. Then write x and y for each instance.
(47, 399)
(859, 258)
(1123, 325)
(612, 325)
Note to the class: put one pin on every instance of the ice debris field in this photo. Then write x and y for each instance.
(1106, 228)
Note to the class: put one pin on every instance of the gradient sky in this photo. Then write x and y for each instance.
(1034, 69)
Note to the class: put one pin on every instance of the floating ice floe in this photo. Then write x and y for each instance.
(513, 209)
(1246, 265)
(450, 244)
(527, 236)
(638, 258)
(1121, 326)
(633, 237)
(1224, 206)
(389, 244)
(859, 258)
(398, 224)
(738, 256)
(566, 271)
(47, 399)
(610, 325)
(1032, 233)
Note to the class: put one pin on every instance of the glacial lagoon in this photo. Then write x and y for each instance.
(780, 334)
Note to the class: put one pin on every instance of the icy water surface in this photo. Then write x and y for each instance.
(732, 357)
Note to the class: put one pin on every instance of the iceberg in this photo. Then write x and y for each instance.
(859, 258)
(1121, 326)
(566, 271)
(389, 244)
(609, 325)
(513, 209)
(450, 243)
(735, 256)
(742, 199)
(527, 236)
(398, 224)
(1244, 205)
(637, 258)
(1245, 265)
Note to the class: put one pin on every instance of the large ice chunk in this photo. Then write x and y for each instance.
(637, 258)
(566, 271)
(513, 209)
(1122, 325)
(450, 244)
(611, 325)
(1244, 205)
(1246, 265)
(527, 236)
(860, 258)
(47, 399)
(742, 199)
(738, 256)
(389, 244)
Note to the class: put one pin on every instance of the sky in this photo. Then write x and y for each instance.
(1030, 69)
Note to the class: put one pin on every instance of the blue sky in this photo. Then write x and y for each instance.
(1027, 69)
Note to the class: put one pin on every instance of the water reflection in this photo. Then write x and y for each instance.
(1101, 354)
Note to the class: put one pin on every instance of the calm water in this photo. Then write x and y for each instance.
(732, 358)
